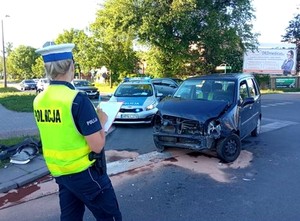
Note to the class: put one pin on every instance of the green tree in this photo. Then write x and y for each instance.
(189, 36)
(8, 50)
(113, 45)
(38, 68)
(292, 35)
(20, 62)
(82, 48)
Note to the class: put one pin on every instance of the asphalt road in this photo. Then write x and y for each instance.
(262, 184)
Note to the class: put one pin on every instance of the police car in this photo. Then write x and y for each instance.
(139, 99)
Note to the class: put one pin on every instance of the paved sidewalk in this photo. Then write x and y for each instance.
(18, 124)
(15, 175)
(15, 124)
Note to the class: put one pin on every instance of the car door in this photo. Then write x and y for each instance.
(247, 111)
(254, 93)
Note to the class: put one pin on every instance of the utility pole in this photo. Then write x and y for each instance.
(4, 58)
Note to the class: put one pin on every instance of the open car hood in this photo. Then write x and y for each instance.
(200, 110)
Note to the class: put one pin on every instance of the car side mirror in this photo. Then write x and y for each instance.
(247, 101)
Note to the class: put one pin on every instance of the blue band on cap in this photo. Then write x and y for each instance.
(57, 56)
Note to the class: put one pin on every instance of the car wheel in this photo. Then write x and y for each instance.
(257, 129)
(229, 148)
(160, 148)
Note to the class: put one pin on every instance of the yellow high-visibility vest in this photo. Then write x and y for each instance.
(65, 150)
(209, 96)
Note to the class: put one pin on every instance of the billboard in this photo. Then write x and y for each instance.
(268, 61)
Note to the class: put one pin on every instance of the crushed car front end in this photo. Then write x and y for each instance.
(195, 125)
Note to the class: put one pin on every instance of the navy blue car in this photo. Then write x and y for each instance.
(213, 112)
(28, 84)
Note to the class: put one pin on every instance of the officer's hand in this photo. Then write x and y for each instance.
(102, 116)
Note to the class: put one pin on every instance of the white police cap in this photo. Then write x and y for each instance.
(51, 52)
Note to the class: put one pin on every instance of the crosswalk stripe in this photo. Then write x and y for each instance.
(277, 124)
(276, 104)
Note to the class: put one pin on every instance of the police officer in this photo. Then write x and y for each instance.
(70, 129)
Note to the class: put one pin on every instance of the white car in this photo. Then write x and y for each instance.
(42, 84)
(139, 99)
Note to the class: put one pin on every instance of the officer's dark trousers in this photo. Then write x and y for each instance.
(88, 188)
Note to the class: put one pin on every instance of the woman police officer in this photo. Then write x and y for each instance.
(70, 129)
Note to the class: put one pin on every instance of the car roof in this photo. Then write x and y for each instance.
(135, 82)
(231, 76)
(165, 78)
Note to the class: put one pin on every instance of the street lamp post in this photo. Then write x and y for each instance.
(3, 50)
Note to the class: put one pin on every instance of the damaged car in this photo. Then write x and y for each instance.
(213, 112)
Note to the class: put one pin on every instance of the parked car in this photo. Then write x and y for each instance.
(28, 84)
(87, 87)
(166, 86)
(42, 84)
(139, 101)
(213, 112)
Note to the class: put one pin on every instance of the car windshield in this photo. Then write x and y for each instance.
(82, 83)
(134, 90)
(29, 82)
(206, 89)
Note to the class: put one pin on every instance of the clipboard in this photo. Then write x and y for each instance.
(111, 108)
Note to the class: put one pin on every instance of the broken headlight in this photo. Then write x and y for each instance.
(214, 129)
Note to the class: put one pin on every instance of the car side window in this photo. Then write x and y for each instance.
(168, 83)
(251, 88)
(243, 90)
(157, 83)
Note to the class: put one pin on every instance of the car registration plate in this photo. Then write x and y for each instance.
(129, 116)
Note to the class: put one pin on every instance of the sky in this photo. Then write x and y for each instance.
(34, 22)
(272, 18)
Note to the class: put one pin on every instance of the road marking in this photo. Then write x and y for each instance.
(124, 165)
(276, 124)
(276, 104)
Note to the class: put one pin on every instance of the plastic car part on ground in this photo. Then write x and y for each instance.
(22, 152)
(24, 155)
